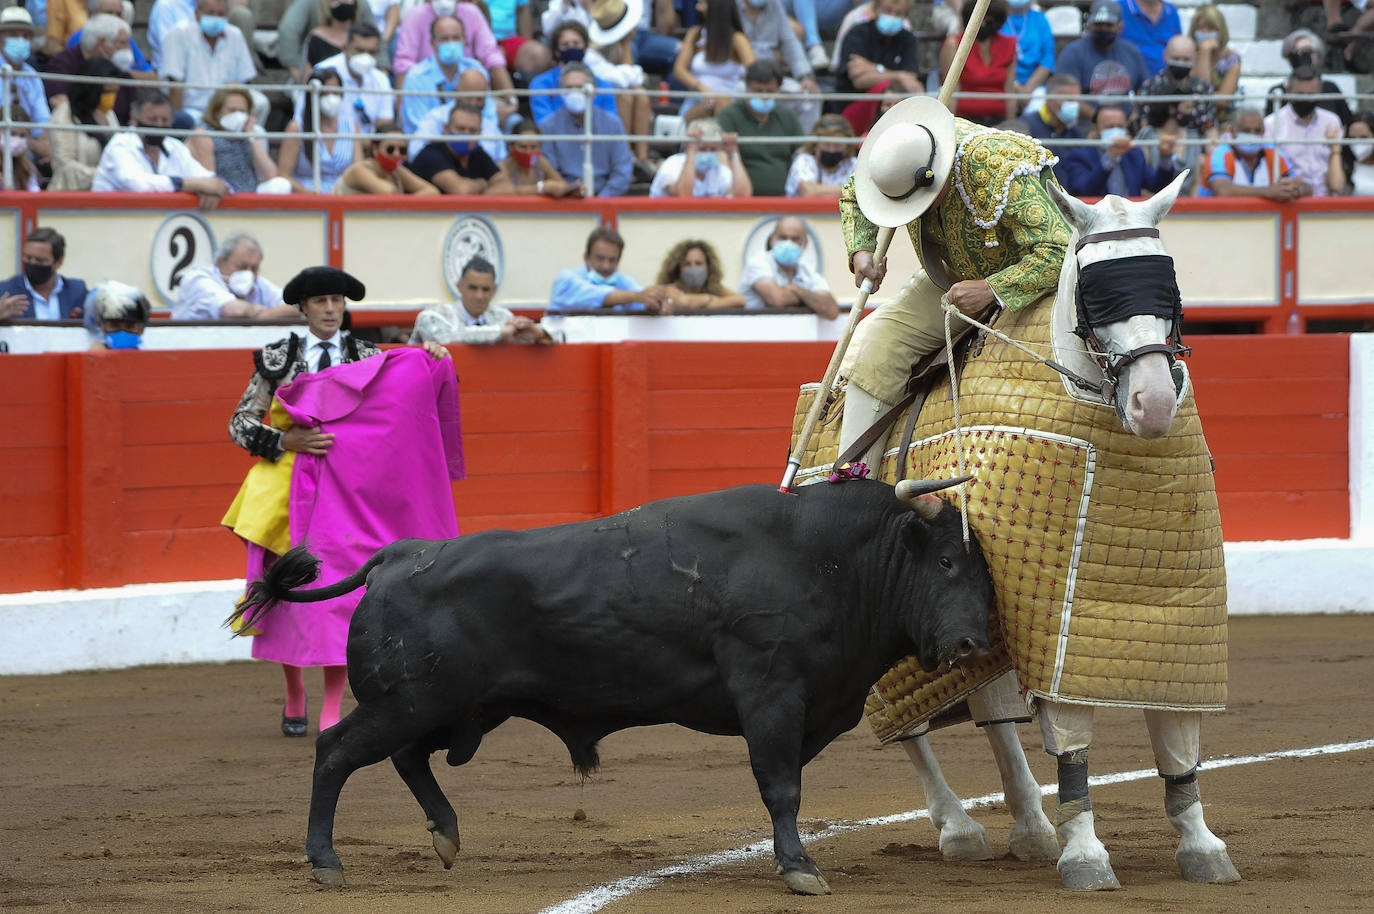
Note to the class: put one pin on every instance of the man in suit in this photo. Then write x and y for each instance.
(1117, 165)
(41, 292)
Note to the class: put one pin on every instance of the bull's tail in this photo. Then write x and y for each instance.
(295, 569)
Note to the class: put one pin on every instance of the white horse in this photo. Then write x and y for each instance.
(1135, 359)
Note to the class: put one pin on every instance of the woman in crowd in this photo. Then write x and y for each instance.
(383, 170)
(22, 167)
(242, 162)
(691, 273)
(1358, 157)
(1302, 48)
(991, 67)
(529, 171)
(863, 114)
(76, 153)
(820, 168)
(1216, 62)
(295, 158)
(713, 58)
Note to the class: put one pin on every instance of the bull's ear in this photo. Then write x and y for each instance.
(916, 534)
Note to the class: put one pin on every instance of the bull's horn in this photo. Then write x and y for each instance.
(913, 492)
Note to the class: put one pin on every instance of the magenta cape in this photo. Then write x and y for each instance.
(397, 445)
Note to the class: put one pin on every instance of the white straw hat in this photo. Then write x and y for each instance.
(905, 161)
(612, 20)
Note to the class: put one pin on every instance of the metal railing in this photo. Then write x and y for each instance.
(588, 136)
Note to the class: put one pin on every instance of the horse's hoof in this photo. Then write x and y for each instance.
(971, 846)
(327, 875)
(1086, 876)
(1212, 868)
(802, 883)
(444, 846)
(1030, 847)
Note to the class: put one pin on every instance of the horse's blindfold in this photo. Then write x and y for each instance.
(1114, 290)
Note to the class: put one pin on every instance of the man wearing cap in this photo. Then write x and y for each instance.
(975, 205)
(30, 101)
(1101, 60)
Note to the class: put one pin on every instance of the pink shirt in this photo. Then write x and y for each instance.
(413, 44)
(1310, 160)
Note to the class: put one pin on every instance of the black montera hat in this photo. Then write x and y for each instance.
(322, 281)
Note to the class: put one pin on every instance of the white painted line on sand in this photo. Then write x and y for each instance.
(590, 902)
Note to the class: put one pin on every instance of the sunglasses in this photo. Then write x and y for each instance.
(391, 150)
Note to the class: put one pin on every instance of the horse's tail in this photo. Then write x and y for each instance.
(295, 569)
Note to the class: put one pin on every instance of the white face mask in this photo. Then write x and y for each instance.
(329, 104)
(362, 64)
(18, 146)
(123, 58)
(241, 282)
(1362, 151)
(443, 7)
(234, 121)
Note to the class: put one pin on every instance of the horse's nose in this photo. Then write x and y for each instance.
(1151, 412)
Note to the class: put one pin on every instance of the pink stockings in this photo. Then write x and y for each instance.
(335, 679)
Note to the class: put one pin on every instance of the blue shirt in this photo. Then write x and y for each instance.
(1034, 42)
(1120, 71)
(31, 97)
(166, 15)
(140, 62)
(542, 106)
(574, 289)
(1149, 37)
(611, 161)
(428, 76)
(503, 17)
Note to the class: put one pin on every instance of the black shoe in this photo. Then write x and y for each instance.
(293, 726)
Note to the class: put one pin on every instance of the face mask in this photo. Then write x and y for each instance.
(241, 282)
(1019, 6)
(329, 104)
(17, 49)
(1180, 71)
(213, 26)
(123, 58)
(107, 101)
(572, 55)
(1068, 112)
(450, 52)
(1361, 151)
(890, 25)
(1303, 108)
(461, 147)
(706, 162)
(694, 277)
(344, 12)
(597, 279)
(17, 146)
(758, 4)
(1112, 134)
(151, 139)
(786, 253)
(1102, 40)
(524, 158)
(443, 7)
(1248, 143)
(1301, 58)
(1206, 36)
(234, 121)
(830, 160)
(762, 105)
(389, 163)
(988, 29)
(38, 273)
(575, 101)
(362, 64)
(123, 339)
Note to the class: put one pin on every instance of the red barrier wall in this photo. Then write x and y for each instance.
(119, 464)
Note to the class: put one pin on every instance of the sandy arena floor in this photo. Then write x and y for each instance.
(170, 789)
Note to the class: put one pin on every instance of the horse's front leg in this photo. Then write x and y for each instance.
(1084, 865)
(997, 708)
(961, 838)
(1201, 855)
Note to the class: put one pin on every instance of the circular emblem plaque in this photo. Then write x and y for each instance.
(469, 237)
(182, 242)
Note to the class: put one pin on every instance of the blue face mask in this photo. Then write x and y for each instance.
(1248, 144)
(706, 162)
(762, 105)
(213, 26)
(1112, 134)
(1068, 112)
(597, 279)
(890, 25)
(461, 147)
(123, 339)
(17, 49)
(450, 52)
(786, 253)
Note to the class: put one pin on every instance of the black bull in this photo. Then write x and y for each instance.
(742, 612)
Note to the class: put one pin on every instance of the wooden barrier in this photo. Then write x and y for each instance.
(119, 465)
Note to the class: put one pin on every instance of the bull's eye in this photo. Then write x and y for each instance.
(945, 563)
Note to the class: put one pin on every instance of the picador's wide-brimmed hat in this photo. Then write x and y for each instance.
(905, 161)
(314, 281)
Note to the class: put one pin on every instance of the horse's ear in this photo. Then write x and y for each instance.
(1079, 214)
(1158, 206)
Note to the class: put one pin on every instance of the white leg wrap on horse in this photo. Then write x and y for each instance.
(961, 838)
(1065, 727)
(861, 410)
(999, 701)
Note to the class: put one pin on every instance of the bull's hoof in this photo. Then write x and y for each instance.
(1088, 876)
(1213, 868)
(444, 846)
(1029, 847)
(328, 875)
(802, 883)
(968, 846)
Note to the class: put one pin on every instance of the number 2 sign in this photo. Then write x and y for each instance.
(183, 242)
